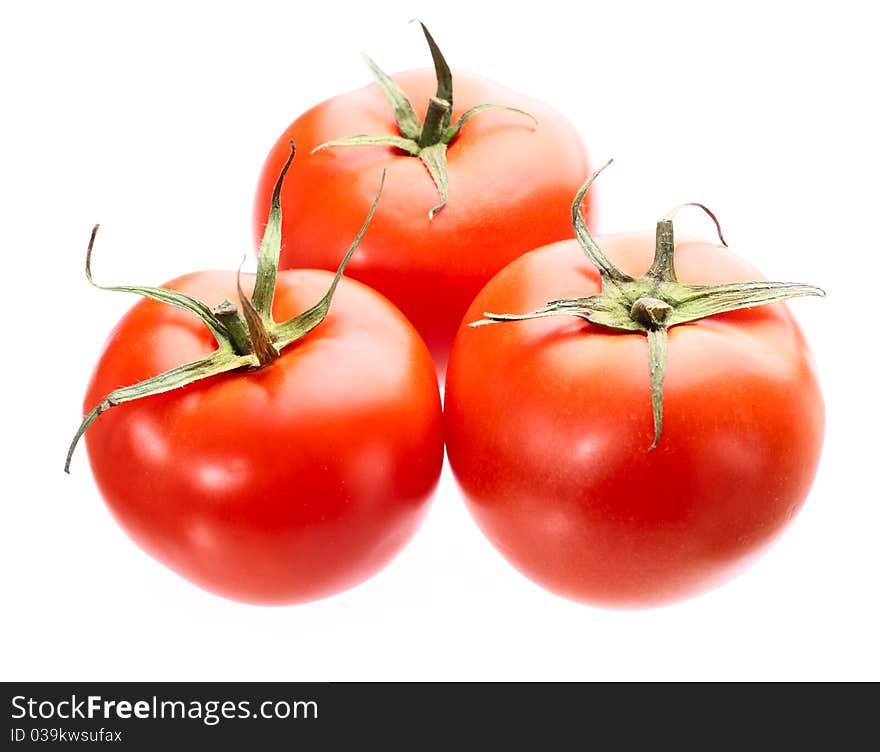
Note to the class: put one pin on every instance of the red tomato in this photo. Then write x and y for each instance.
(548, 425)
(278, 485)
(510, 186)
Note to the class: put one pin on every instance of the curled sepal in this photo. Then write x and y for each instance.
(270, 249)
(404, 114)
(161, 294)
(607, 270)
(673, 213)
(434, 159)
(569, 307)
(441, 71)
(302, 324)
(657, 360)
(220, 361)
(663, 268)
(696, 302)
(452, 131)
(404, 144)
(598, 309)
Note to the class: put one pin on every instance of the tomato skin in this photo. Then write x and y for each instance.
(548, 424)
(279, 485)
(510, 189)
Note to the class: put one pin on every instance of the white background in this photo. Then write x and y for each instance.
(154, 120)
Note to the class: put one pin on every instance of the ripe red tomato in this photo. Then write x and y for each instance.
(549, 424)
(277, 485)
(510, 184)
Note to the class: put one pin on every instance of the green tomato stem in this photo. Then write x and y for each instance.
(435, 124)
(236, 327)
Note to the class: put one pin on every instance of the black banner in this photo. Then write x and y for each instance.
(151, 716)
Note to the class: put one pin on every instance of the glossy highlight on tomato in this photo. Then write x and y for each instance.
(275, 485)
(549, 428)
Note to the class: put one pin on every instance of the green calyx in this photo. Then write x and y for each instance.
(246, 339)
(426, 139)
(655, 301)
